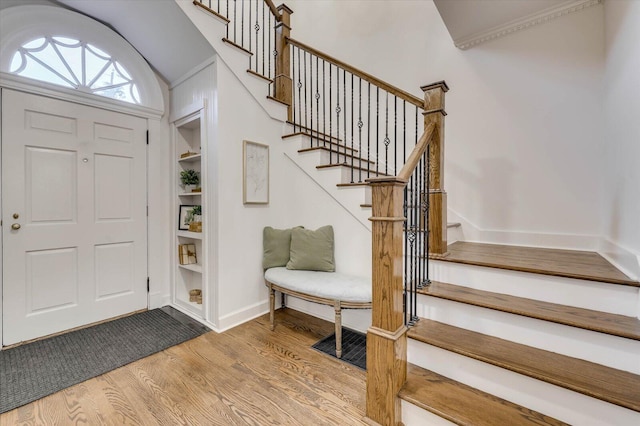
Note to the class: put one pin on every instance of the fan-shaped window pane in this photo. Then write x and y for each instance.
(72, 63)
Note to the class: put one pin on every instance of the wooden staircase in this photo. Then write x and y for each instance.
(508, 335)
(447, 355)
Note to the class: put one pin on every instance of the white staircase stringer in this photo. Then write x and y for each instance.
(349, 199)
(213, 30)
(563, 404)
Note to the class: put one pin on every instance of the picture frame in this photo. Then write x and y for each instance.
(255, 173)
(185, 209)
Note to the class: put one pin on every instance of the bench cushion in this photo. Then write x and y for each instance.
(328, 285)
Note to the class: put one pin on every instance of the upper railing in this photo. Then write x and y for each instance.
(365, 123)
(250, 26)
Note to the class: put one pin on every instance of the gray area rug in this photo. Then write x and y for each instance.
(354, 347)
(32, 371)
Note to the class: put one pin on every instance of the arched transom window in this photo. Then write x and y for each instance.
(75, 64)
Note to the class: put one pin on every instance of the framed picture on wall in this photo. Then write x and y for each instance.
(255, 173)
(185, 217)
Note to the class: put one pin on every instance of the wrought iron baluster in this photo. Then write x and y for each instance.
(299, 84)
(395, 135)
(338, 109)
(427, 213)
(324, 111)
(310, 95)
(377, 130)
(351, 128)
(306, 124)
(330, 114)
(235, 21)
(386, 134)
(344, 118)
(269, 49)
(317, 95)
(369, 128)
(242, 25)
(360, 124)
(293, 92)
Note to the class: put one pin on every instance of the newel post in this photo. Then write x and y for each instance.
(386, 338)
(434, 113)
(283, 88)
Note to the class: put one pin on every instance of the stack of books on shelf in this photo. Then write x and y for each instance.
(187, 254)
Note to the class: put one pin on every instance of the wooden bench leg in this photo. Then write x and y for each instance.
(338, 329)
(272, 307)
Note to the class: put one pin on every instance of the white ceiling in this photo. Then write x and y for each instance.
(158, 29)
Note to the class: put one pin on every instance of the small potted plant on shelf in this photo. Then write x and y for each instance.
(189, 179)
(194, 218)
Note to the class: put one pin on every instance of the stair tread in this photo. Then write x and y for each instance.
(356, 158)
(603, 322)
(464, 405)
(563, 263)
(348, 164)
(598, 381)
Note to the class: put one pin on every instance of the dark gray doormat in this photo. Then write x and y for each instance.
(32, 371)
(354, 347)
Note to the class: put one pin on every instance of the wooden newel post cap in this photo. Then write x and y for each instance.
(283, 8)
(438, 84)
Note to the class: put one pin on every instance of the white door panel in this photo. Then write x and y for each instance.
(76, 178)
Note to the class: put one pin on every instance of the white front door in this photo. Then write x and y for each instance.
(74, 215)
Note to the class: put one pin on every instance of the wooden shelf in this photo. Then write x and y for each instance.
(194, 267)
(189, 234)
(190, 159)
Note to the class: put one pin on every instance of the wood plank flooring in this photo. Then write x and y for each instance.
(464, 405)
(246, 376)
(595, 380)
(603, 322)
(563, 263)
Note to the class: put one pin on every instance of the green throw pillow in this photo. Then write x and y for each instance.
(312, 250)
(276, 244)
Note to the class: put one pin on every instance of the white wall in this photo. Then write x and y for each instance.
(524, 130)
(622, 141)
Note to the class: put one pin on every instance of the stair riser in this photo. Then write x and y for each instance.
(563, 404)
(412, 415)
(612, 298)
(612, 351)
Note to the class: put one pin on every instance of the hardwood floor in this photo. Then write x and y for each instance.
(246, 376)
(562, 263)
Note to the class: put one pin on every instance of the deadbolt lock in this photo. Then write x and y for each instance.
(16, 215)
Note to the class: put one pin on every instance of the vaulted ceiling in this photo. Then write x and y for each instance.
(159, 30)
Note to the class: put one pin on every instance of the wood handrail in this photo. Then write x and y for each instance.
(416, 154)
(359, 73)
(273, 9)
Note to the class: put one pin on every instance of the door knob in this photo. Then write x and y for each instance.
(15, 226)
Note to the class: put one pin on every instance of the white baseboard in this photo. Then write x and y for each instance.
(158, 300)
(623, 258)
(473, 233)
(243, 315)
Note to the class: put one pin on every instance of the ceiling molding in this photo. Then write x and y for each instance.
(526, 22)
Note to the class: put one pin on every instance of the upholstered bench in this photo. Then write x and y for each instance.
(327, 288)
